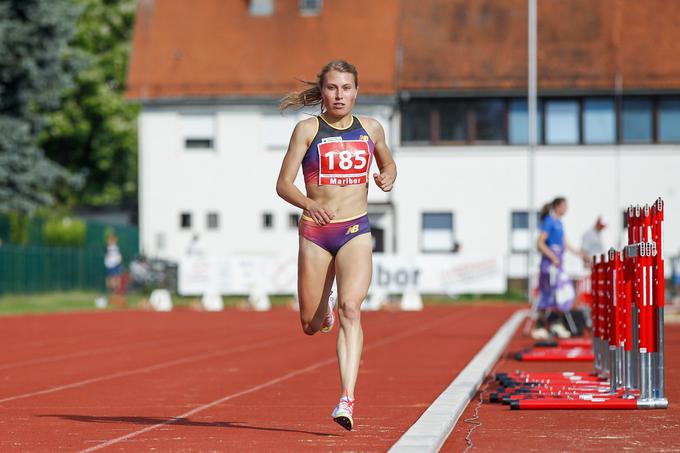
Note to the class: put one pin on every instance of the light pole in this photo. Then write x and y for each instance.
(532, 110)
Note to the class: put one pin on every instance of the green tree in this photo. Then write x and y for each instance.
(94, 132)
(33, 74)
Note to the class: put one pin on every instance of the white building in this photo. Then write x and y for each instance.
(211, 140)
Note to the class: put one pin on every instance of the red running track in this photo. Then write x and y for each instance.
(230, 381)
(593, 431)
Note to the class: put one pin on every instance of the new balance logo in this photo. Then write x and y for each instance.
(353, 229)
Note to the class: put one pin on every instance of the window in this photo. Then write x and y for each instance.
(584, 120)
(198, 131)
(198, 143)
(452, 121)
(415, 121)
(624, 223)
(599, 121)
(293, 220)
(213, 220)
(561, 122)
(518, 122)
(261, 7)
(489, 122)
(267, 220)
(637, 120)
(438, 232)
(185, 220)
(310, 7)
(519, 230)
(669, 120)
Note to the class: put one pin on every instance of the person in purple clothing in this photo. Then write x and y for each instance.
(555, 288)
(335, 150)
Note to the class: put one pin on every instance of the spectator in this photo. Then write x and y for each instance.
(591, 243)
(113, 261)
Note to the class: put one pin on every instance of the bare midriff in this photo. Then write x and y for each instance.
(344, 201)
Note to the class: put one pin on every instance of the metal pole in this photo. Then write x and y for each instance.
(531, 104)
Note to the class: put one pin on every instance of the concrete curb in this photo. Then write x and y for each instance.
(429, 433)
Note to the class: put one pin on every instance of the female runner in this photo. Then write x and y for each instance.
(335, 150)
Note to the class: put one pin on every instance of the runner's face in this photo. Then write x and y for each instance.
(339, 93)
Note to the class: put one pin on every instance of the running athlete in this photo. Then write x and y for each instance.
(335, 150)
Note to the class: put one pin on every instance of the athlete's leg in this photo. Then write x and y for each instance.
(315, 279)
(353, 268)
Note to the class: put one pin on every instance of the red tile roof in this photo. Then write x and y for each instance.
(214, 48)
(582, 44)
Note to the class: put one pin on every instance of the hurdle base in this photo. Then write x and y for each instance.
(562, 404)
(656, 403)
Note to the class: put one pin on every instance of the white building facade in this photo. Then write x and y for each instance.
(209, 170)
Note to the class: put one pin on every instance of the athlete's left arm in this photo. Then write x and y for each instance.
(574, 250)
(383, 156)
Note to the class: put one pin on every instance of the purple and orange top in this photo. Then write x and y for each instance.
(338, 157)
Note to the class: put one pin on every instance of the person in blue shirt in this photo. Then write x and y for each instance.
(555, 289)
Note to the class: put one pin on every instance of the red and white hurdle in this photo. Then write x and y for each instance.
(628, 330)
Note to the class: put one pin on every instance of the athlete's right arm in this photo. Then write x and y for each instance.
(285, 185)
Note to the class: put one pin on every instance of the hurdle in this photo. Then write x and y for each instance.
(627, 317)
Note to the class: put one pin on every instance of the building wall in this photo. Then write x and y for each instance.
(480, 185)
(236, 180)
(483, 185)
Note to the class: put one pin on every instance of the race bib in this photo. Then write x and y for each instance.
(343, 162)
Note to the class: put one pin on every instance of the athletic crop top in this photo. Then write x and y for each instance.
(338, 157)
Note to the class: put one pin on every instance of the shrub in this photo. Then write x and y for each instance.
(64, 232)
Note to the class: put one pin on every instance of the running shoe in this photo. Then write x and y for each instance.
(560, 331)
(540, 333)
(329, 320)
(342, 414)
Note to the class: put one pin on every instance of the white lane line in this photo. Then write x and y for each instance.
(58, 358)
(376, 344)
(146, 369)
(429, 433)
(133, 345)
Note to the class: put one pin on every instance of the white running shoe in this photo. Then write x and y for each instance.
(342, 414)
(560, 331)
(329, 320)
(540, 333)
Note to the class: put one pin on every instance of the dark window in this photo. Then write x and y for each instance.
(185, 220)
(198, 143)
(310, 7)
(415, 121)
(489, 120)
(267, 220)
(520, 220)
(293, 220)
(599, 121)
(213, 221)
(625, 220)
(637, 120)
(669, 120)
(560, 121)
(452, 120)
